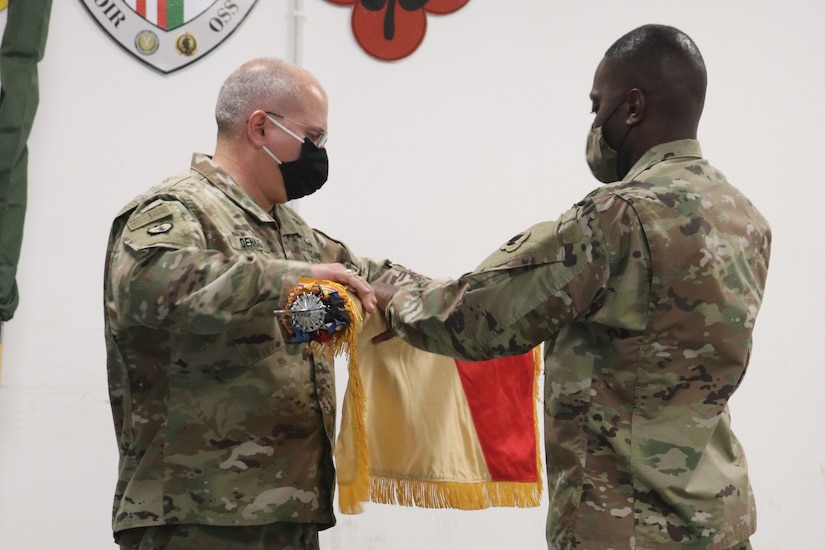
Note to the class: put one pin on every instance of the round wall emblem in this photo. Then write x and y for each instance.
(146, 42)
(186, 44)
(168, 35)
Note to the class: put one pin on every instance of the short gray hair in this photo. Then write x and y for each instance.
(266, 83)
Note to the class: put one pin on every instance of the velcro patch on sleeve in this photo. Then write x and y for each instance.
(513, 244)
(150, 215)
(162, 224)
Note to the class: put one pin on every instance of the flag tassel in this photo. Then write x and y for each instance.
(460, 496)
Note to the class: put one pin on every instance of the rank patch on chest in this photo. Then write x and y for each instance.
(515, 242)
(160, 228)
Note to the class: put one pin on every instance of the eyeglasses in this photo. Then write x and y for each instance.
(316, 136)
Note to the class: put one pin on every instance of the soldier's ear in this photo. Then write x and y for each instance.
(636, 105)
(256, 128)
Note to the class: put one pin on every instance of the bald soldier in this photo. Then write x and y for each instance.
(224, 427)
(645, 295)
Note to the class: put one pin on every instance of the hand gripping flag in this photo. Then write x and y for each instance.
(321, 312)
(421, 429)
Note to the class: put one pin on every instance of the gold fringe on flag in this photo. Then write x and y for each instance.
(343, 343)
(421, 482)
(340, 335)
(403, 466)
(473, 495)
(452, 494)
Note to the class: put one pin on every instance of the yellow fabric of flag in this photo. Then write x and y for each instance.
(421, 429)
(418, 443)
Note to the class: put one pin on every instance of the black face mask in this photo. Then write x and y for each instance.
(308, 173)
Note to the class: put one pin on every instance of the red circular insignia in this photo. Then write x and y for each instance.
(393, 29)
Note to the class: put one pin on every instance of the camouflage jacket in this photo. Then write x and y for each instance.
(218, 418)
(645, 295)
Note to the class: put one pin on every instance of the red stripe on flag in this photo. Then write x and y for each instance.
(507, 437)
(162, 14)
(140, 8)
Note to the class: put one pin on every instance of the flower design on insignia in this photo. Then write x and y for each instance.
(390, 30)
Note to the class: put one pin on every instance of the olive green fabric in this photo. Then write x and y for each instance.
(275, 536)
(23, 46)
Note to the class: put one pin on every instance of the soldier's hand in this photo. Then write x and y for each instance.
(340, 274)
(383, 294)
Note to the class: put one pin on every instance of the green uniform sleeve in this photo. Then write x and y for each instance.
(520, 296)
(335, 251)
(162, 275)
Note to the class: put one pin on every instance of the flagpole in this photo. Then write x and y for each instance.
(297, 31)
(297, 55)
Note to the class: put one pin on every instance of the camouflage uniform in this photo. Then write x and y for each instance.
(219, 420)
(283, 536)
(645, 294)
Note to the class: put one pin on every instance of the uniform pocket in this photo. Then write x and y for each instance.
(257, 339)
(301, 248)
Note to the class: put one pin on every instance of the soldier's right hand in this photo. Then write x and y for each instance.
(340, 274)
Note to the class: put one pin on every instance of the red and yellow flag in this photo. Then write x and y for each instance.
(420, 429)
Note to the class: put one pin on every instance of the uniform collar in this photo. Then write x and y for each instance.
(217, 176)
(679, 149)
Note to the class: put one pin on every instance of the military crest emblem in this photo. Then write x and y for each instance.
(169, 34)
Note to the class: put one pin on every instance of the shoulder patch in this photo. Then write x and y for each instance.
(514, 243)
(152, 214)
(162, 224)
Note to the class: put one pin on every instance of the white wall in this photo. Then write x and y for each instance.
(436, 160)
